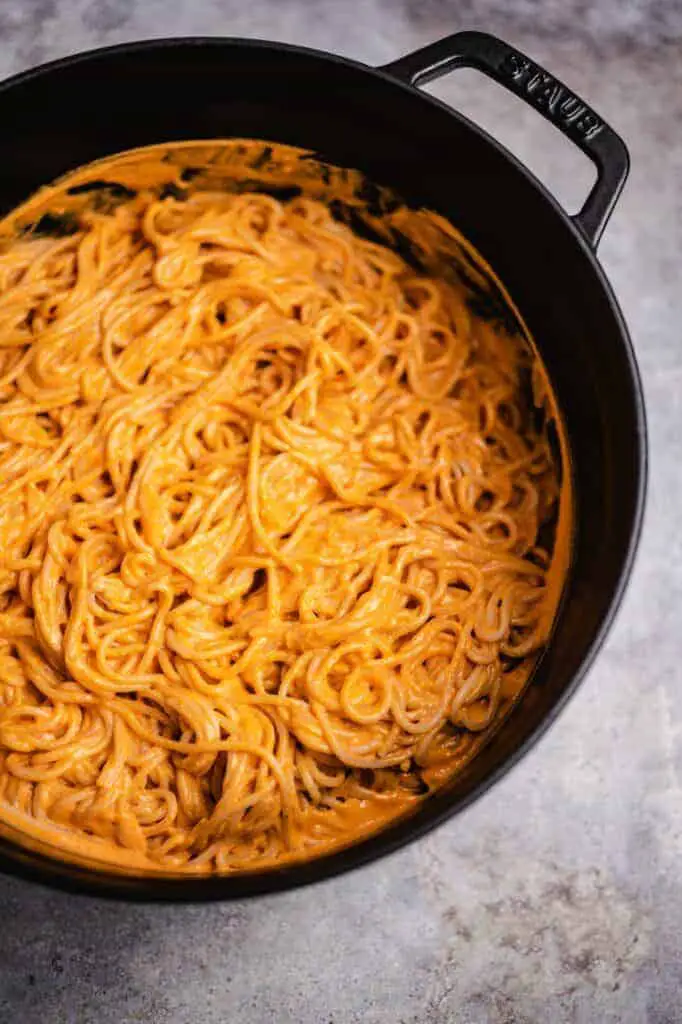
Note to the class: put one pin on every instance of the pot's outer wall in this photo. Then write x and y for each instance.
(83, 108)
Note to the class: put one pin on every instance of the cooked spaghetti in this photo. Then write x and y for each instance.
(270, 528)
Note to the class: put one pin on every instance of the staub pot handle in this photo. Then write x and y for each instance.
(558, 104)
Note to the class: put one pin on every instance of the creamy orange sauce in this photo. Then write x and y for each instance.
(282, 530)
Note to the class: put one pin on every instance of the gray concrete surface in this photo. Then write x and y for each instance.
(558, 896)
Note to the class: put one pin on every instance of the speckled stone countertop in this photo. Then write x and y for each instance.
(558, 896)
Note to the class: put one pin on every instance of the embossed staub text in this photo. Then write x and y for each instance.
(563, 107)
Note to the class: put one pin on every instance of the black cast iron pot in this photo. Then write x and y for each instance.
(67, 113)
